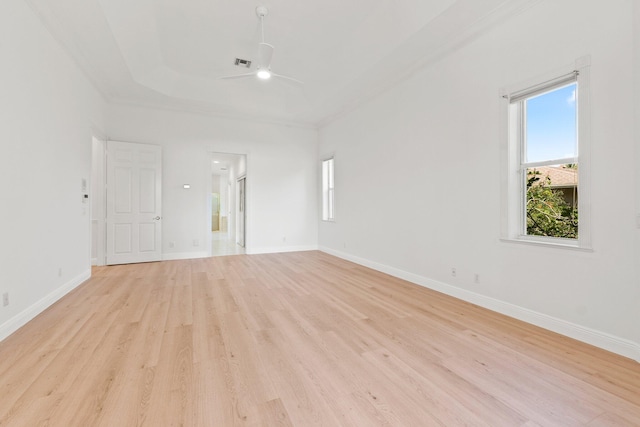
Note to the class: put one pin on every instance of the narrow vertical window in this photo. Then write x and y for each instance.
(547, 145)
(327, 190)
(549, 162)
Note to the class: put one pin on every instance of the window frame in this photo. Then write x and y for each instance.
(327, 189)
(513, 221)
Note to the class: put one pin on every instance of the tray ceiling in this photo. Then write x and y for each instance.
(170, 53)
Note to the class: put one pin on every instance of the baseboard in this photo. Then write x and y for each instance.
(596, 338)
(172, 256)
(16, 322)
(279, 249)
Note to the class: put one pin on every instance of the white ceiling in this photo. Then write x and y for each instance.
(222, 162)
(170, 53)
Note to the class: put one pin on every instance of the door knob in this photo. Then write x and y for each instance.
(157, 218)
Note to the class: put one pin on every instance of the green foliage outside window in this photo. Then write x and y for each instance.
(548, 213)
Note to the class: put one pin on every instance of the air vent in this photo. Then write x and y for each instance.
(243, 63)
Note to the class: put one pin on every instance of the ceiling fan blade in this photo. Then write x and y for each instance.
(265, 55)
(237, 76)
(280, 76)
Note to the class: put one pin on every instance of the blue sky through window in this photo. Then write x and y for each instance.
(551, 125)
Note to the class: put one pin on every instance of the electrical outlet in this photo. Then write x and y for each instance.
(476, 278)
(5, 299)
(59, 272)
(453, 271)
(196, 242)
(172, 244)
(284, 239)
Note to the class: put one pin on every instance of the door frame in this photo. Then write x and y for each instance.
(242, 213)
(97, 200)
(209, 189)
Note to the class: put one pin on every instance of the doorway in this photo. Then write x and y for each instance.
(97, 200)
(226, 210)
(242, 198)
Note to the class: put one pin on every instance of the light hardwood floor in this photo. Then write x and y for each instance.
(297, 339)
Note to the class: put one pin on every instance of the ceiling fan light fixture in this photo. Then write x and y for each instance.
(264, 74)
(265, 53)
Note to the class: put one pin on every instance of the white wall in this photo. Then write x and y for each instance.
(418, 177)
(281, 176)
(636, 81)
(215, 186)
(47, 110)
(97, 201)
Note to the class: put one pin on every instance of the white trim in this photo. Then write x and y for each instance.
(22, 318)
(99, 231)
(551, 243)
(594, 337)
(95, 226)
(585, 237)
(172, 256)
(213, 111)
(281, 249)
(327, 192)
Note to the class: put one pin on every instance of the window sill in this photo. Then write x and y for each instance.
(551, 243)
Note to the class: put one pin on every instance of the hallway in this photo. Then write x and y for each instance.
(222, 245)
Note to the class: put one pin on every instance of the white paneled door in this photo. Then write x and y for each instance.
(134, 208)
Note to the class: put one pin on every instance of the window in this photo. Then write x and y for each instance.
(327, 190)
(548, 161)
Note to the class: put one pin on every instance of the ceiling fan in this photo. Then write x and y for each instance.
(265, 53)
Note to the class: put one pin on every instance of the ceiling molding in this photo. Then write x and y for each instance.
(458, 25)
(204, 109)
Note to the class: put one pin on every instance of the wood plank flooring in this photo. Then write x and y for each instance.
(296, 339)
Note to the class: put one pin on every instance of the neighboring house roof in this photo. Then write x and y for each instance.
(560, 176)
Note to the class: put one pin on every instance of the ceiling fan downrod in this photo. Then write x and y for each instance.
(262, 11)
